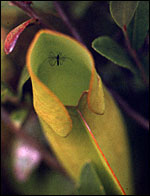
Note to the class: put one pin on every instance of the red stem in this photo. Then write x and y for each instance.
(66, 21)
(30, 12)
(134, 55)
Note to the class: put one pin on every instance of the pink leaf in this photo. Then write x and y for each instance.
(13, 36)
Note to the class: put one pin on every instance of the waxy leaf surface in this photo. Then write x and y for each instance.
(61, 71)
(68, 96)
(111, 50)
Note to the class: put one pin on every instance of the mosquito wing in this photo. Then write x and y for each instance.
(64, 58)
(52, 54)
(50, 60)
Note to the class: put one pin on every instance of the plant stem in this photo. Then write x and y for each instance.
(66, 21)
(22, 134)
(134, 56)
(30, 12)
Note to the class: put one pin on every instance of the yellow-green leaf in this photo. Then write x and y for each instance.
(79, 147)
(111, 141)
(61, 71)
(69, 97)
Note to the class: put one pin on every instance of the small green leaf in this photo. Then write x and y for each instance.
(123, 11)
(138, 28)
(111, 50)
(23, 78)
(18, 116)
(90, 183)
(79, 8)
(6, 93)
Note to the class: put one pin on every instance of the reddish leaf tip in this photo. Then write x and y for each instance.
(13, 36)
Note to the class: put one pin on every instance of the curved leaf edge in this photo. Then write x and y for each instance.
(35, 78)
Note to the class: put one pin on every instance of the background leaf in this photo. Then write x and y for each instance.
(18, 116)
(23, 79)
(79, 8)
(90, 183)
(123, 11)
(139, 26)
(6, 93)
(111, 50)
(43, 182)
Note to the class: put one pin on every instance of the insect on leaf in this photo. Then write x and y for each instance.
(56, 58)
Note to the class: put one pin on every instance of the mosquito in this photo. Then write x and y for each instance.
(56, 59)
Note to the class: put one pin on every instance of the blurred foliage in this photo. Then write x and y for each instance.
(90, 183)
(91, 19)
(138, 28)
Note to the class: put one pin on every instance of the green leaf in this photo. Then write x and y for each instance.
(138, 28)
(6, 93)
(53, 60)
(64, 126)
(111, 50)
(18, 116)
(79, 8)
(10, 14)
(90, 183)
(78, 147)
(48, 69)
(100, 126)
(42, 5)
(123, 11)
(23, 78)
(46, 183)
